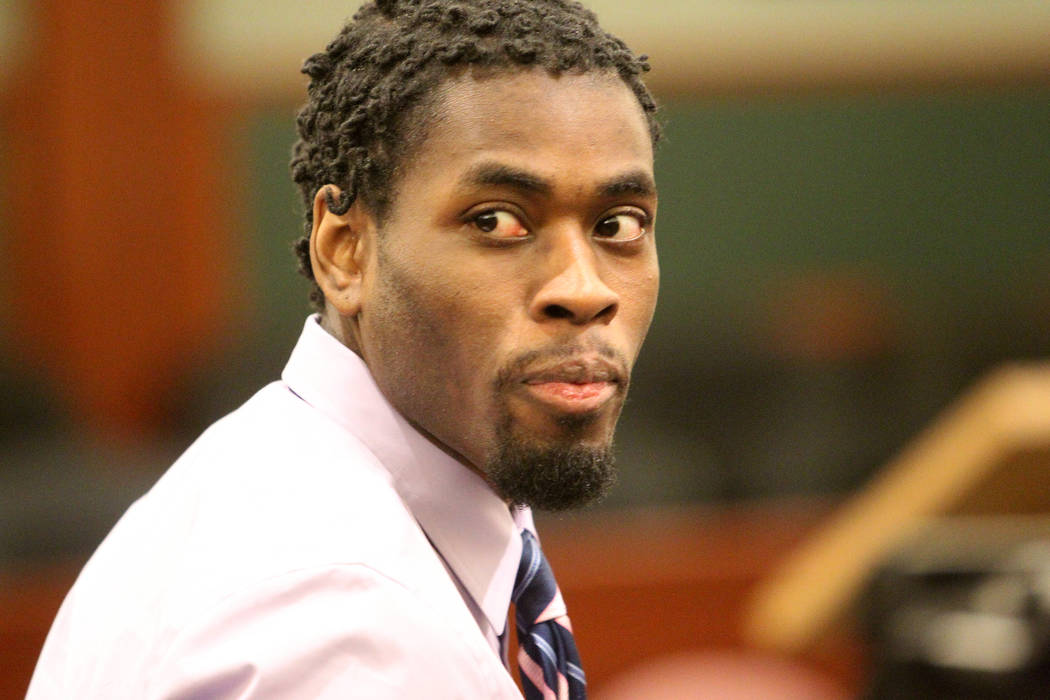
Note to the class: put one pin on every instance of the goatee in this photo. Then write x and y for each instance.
(550, 476)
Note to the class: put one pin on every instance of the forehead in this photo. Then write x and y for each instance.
(584, 126)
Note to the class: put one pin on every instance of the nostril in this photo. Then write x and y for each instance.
(557, 311)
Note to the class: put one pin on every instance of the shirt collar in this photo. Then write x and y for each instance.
(468, 524)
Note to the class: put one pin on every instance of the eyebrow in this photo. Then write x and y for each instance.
(495, 174)
(636, 182)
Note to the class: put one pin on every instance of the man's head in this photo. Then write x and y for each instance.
(373, 86)
(478, 180)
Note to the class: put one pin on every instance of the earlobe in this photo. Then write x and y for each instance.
(338, 244)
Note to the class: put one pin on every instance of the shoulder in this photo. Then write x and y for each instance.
(272, 495)
(347, 630)
(276, 473)
(273, 487)
(325, 632)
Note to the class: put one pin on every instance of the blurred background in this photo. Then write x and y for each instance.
(854, 225)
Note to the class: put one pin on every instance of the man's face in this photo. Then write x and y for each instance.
(507, 293)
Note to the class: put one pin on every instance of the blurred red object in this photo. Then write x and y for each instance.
(726, 675)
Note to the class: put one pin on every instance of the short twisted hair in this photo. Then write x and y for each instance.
(370, 88)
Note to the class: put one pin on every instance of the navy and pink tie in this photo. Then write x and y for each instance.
(547, 655)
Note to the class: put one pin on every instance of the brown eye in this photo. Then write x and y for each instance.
(500, 224)
(620, 227)
(487, 221)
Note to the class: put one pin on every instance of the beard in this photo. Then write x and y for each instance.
(550, 476)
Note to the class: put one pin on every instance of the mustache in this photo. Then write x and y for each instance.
(612, 365)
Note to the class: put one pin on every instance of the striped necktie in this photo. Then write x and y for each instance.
(547, 656)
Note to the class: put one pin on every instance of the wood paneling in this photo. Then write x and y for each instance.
(650, 583)
(119, 233)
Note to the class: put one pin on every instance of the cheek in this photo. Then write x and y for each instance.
(475, 332)
(452, 323)
(446, 339)
(638, 288)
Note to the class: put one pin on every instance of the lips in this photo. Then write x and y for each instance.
(577, 386)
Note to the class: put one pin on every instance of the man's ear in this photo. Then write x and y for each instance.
(339, 247)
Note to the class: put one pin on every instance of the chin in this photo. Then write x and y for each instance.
(568, 470)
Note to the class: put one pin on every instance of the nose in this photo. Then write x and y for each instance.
(572, 288)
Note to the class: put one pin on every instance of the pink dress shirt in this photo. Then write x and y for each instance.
(312, 544)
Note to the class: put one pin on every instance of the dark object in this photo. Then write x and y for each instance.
(964, 613)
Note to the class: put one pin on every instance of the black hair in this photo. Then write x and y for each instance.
(385, 64)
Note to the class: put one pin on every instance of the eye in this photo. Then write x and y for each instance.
(621, 227)
(499, 223)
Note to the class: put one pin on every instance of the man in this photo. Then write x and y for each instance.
(480, 203)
